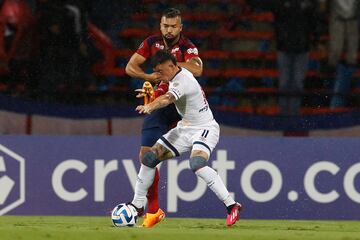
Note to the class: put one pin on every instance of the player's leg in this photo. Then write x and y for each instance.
(149, 161)
(198, 164)
(204, 141)
(153, 193)
(149, 137)
(162, 150)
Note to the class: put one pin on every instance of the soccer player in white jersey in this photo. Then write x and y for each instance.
(197, 132)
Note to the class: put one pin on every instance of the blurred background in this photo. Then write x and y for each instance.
(284, 71)
(271, 68)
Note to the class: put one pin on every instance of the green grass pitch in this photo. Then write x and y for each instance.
(85, 228)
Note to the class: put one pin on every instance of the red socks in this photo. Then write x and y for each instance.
(153, 194)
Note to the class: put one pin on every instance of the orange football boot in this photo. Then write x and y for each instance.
(150, 219)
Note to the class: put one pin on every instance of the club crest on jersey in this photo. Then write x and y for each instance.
(174, 50)
(159, 46)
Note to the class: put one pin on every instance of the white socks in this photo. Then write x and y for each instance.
(144, 180)
(209, 175)
(215, 183)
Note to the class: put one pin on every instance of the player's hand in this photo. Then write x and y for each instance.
(143, 109)
(154, 77)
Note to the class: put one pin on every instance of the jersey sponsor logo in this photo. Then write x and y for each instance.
(193, 51)
(159, 46)
(204, 109)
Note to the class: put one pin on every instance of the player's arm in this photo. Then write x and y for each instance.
(194, 65)
(160, 102)
(133, 69)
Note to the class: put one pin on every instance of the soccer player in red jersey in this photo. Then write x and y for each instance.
(160, 121)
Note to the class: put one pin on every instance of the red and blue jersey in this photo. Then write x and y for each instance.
(183, 50)
(163, 118)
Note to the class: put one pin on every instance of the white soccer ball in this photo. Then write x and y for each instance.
(124, 215)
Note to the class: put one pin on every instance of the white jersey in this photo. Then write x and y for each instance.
(190, 102)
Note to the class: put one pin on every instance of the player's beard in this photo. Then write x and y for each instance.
(170, 41)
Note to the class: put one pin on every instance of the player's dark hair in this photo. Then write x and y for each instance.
(162, 56)
(172, 13)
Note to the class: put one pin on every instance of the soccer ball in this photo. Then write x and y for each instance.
(124, 215)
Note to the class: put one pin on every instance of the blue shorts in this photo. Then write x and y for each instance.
(149, 136)
(157, 124)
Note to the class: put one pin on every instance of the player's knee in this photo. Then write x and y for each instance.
(197, 162)
(149, 159)
(142, 151)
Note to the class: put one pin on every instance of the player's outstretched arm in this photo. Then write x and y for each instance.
(159, 102)
(194, 65)
(133, 69)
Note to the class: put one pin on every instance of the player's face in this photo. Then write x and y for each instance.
(170, 28)
(167, 70)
